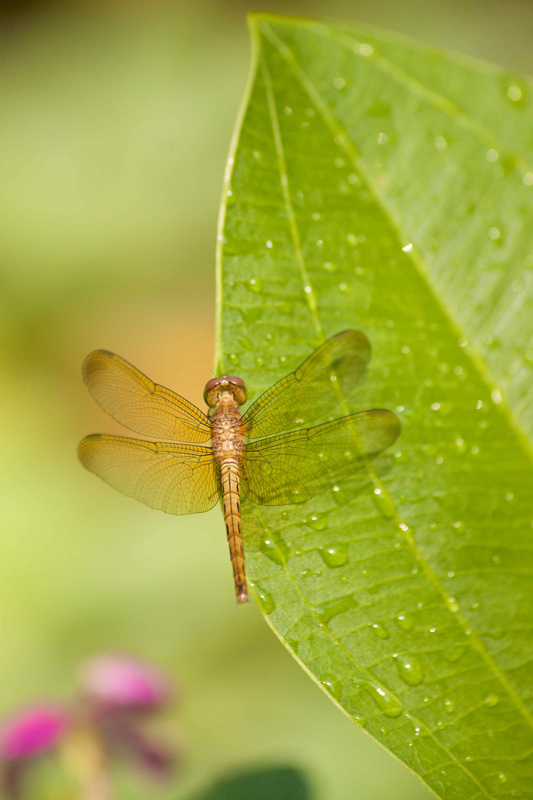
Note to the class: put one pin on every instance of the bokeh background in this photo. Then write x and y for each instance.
(116, 122)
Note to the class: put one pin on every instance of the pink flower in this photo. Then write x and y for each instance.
(32, 731)
(122, 682)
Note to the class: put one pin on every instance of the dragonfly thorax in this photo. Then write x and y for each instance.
(225, 384)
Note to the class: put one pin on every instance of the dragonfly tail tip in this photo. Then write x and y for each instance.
(242, 597)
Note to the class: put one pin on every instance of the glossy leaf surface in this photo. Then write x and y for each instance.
(379, 185)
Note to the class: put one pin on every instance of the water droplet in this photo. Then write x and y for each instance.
(448, 706)
(382, 138)
(334, 555)
(265, 599)
(339, 83)
(273, 547)
(409, 669)
(440, 143)
(496, 397)
(379, 630)
(435, 406)
(404, 621)
(255, 285)
(407, 248)
(502, 777)
(287, 111)
(245, 343)
(331, 686)
(403, 526)
(319, 522)
(453, 654)
(491, 700)
(259, 362)
(306, 573)
(332, 608)
(383, 503)
(405, 349)
(365, 49)
(509, 496)
(386, 701)
(234, 359)
(492, 155)
(251, 315)
(514, 93)
(494, 233)
(452, 603)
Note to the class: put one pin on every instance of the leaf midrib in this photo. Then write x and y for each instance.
(329, 119)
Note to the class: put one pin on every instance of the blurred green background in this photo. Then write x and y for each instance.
(116, 124)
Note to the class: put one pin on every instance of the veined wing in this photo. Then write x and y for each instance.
(176, 478)
(295, 466)
(140, 404)
(327, 377)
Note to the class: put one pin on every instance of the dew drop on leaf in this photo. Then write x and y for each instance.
(334, 555)
(448, 706)
(387, 702)
(274, 547)
(327, 611)
(409, 669)
(255, 284)
(266, 600)
(379, 630)
(491, 700)
(404, 622)
(453, 654)
(331, 686)
(318, 522)
(384, 504)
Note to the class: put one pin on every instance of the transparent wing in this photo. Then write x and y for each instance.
(295, 466)
(176, 478)
(317, 387)
(140, 404)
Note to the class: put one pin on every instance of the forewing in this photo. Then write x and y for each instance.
(295, 466)
(316, 388)
(140, 404)
(176, 478)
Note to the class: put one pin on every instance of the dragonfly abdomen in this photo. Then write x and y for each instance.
(229, 469)
(228, 448)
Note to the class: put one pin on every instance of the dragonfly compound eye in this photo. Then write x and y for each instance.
(225, 383)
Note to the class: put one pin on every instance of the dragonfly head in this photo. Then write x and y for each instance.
(225, 383)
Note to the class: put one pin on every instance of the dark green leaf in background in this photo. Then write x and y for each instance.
(268, 783)
(382, 186)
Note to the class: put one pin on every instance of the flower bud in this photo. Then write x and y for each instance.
(32, 731)
(121, 682)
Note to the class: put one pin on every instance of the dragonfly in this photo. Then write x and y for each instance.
(271, 454)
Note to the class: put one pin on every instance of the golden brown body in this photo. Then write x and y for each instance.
(228, 448)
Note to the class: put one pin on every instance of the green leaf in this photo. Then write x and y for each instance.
(268, 783)
(379, 185)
